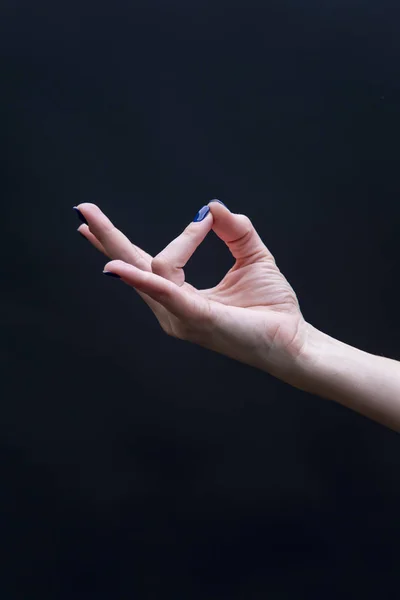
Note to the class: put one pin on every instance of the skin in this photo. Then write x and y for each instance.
(252, 315)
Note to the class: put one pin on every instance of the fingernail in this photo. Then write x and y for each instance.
(80, 215)
(84, 236)
(111, 274)
(216, 200)
(203, 212)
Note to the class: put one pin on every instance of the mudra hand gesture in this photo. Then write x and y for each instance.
(251, 315)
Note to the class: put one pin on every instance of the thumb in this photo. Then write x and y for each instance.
(238, 232)
(177, 300)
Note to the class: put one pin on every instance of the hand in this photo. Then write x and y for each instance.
(252, 315)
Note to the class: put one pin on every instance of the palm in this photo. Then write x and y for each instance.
(260, 310)
(257, 286)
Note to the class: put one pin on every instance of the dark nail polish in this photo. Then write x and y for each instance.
(110, 274)
(216, 200)
(80, 215)
(203, 212)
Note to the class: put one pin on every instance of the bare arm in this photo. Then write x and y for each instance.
(363, 382)
(252, 315)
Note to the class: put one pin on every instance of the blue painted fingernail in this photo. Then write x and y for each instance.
(216, 200)
(110, 274)
(203, 212)
(80, 215)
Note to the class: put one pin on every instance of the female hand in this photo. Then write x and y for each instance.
(251, 315)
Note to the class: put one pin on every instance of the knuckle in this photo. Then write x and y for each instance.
(160, 264)
(246, 221)
(190, 232)
(104, 232)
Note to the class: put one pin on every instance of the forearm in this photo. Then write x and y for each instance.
(363, 382)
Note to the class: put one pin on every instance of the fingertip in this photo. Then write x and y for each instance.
(86, 205)
(87, 211)
(114, 264)
(218, 210)
(202, 214)
(111, 274)
(80, 215)
(216, 201)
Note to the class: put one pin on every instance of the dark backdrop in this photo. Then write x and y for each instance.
(134, 465)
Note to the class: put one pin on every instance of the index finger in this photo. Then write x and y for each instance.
(170, 261)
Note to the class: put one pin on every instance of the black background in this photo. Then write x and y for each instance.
(134, 465)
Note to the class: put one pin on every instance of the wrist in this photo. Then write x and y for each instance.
(332, 369)
(336, 371)
(318, 360)
(297, 363)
